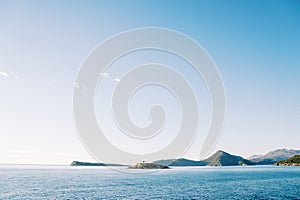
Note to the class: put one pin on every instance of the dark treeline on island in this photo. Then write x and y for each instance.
(293, 161)
(220, 158)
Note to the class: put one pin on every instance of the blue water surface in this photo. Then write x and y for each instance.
(66, 182)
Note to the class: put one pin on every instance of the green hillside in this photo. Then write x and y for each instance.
(221, 158)
(293, 161)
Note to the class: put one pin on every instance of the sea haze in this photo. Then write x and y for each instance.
(66, 182)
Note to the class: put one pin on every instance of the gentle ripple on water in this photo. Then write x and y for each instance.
(65, 182)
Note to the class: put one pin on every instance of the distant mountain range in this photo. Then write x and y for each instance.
(273, 156)
(180, 162)
(220, 158)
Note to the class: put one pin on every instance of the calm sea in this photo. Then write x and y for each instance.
(65, 182)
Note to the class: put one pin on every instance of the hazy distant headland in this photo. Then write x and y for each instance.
(78, 163)
(220, 158)
(274, 156)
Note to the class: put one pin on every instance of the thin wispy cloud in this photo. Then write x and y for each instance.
(4, 74)
(63, 154)
(104, 74)
(116, 80)
(23, 151)
(76, 84)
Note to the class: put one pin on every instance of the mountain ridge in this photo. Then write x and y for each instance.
(274, 156)
(220, 158)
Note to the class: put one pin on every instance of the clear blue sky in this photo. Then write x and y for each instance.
(255, 44)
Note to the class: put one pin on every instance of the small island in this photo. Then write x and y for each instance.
(144, 165)
(293, 161)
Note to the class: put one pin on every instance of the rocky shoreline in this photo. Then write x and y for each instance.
(148, 166)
